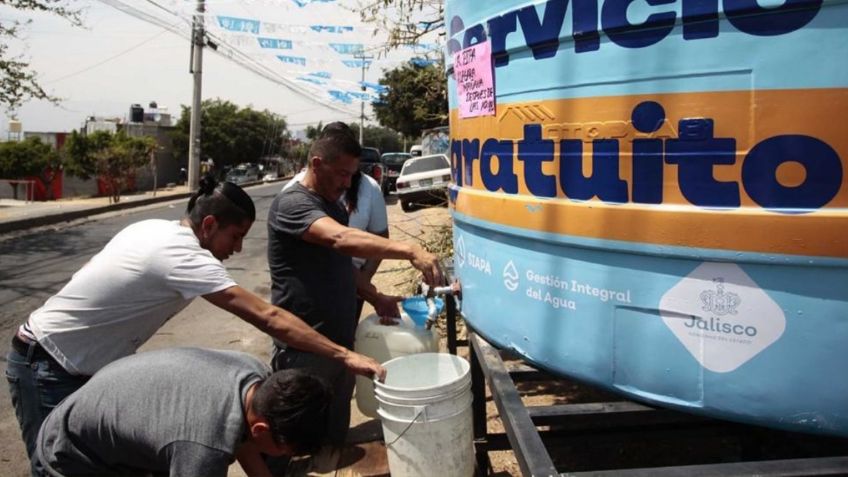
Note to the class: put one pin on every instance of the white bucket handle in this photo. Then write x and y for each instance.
(419, 411)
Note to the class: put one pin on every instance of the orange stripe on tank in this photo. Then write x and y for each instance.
(821, 234)
(749, 117)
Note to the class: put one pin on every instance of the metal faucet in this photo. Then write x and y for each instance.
(454, 289)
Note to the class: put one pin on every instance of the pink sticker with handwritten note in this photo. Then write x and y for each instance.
(472, 70)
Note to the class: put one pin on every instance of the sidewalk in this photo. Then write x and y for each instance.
(19, 215)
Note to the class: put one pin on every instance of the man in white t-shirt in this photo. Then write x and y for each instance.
(147, 273)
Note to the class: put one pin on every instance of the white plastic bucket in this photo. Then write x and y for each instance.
(425, 407)
(385, 343)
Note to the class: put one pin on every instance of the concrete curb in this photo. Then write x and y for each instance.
(50, 219)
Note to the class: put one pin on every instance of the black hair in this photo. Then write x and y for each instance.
(336, 139)
(352, 192)
(337, 127)
(295, 405)
(227, 202)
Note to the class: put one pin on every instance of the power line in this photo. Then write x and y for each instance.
(258, 68)
(144, 16)
(235, 55)
(91, 67)
(163, 8)
(305, 123)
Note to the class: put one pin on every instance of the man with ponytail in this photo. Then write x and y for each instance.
(146, 274)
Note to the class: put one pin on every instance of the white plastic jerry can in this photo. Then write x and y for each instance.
(386, 342)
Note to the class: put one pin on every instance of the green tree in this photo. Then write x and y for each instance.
(18, 83)
(231, 135)
(299, 155)
(415, 99)
(80, 151)
(117, 163)
(29, 158)
(312, 132)
(384, 139)
(113, 158)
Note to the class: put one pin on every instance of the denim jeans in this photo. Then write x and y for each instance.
(37, 383)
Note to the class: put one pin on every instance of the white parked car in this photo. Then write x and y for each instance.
(423, 179)
(243, 173)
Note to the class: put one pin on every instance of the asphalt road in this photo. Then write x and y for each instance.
(35, 264)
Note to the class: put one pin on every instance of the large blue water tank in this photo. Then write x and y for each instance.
(659, 204)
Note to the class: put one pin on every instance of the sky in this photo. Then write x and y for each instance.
(117, 59)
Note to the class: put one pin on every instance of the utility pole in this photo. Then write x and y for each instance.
(197, 41)
(361, 56)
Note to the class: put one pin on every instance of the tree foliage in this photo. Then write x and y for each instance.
(298, 154)
(18, 83)
(415, 99)
(113, 158)
(80, 150)
(404, 21)
(384, 139)
(312, 132)
(230, 135)
(29, 158)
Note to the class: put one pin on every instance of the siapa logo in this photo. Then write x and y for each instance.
(699, 19)
(510, 276)
(460, 251)
(696, 151)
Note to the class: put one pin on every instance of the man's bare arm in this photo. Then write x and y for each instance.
(356, 243)
(286, 327)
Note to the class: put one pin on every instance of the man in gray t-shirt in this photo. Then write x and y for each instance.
(183, 411)
(309, 250)
(312, 281)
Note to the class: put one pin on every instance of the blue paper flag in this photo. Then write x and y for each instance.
(331, 28)
(374, 86)
(340, 96)
(422, 61)
(347, 48)
(355, 63)
(275, 43)
(303, 3)
(239, 24)
(312, 80)
(295, 60)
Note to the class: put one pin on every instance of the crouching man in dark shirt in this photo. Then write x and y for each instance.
(183, 411)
